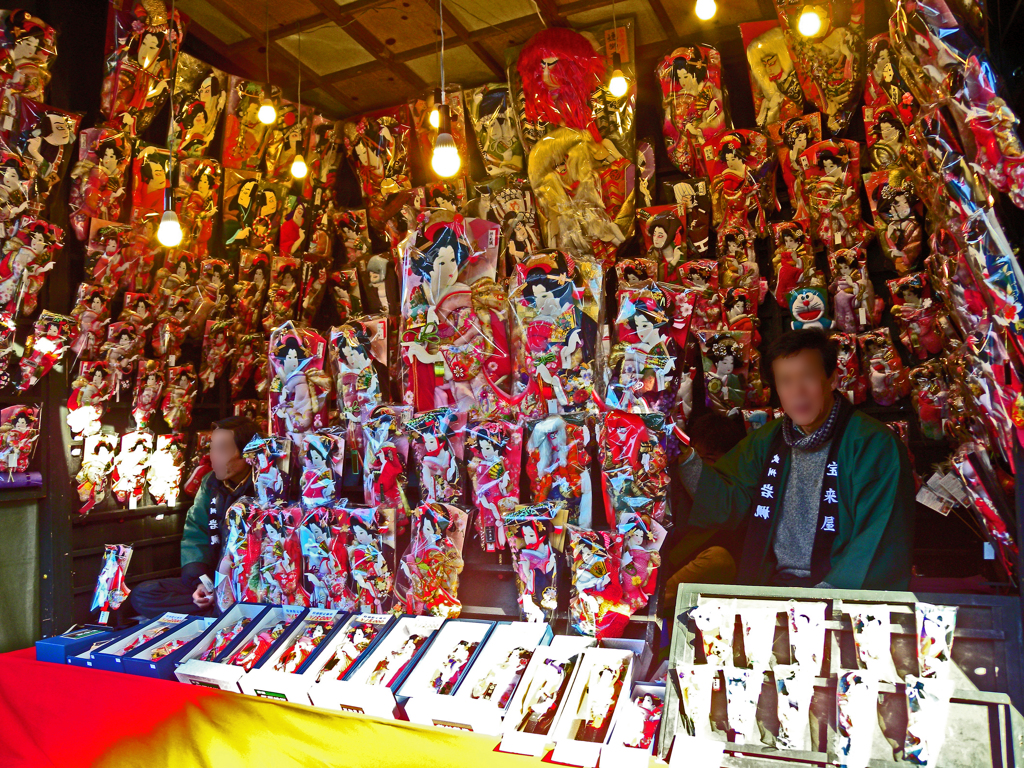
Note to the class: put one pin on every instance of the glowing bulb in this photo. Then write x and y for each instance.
(435, 118)
(810, 23)
(169, 231)
(299, 168)
(267, 113)
(618, 85)
(445, 160)
(705, 9)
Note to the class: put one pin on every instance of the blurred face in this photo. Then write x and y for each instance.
(805, 391)
(225, 458)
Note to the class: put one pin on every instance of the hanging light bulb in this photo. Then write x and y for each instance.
(809, 23)
(299, 169)
(445, 160)
(618, 85)
(705, 9)
(169, 231)
(267, 113)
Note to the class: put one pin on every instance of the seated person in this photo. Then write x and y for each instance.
(826, 491)
(710, 556)
(205, 527)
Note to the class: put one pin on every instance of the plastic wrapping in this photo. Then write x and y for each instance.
(882, 364)
(534, 533)
(759, 625)
(385, 459)
(111, 590)
(179, 396)
(196, 200)
(369, 543)
(897, 211)
(793, 260)
(130, 466)
(50, 338)
(348, 650)
(300, 386)
(558, 463)
(742, 691)
(427, 582)
(323, 454)
(100, 190)
(871, 637)
(19, 431)
(742, 171)
(495, 452)
(642, 538)
(28, 254)
(716, 620)
(693, 104)
(378, 147)
(853, 294)
(634, 465)
(359, 363)
(664, 230)
(856, 718)
(93, 475)
(807, 634)
(89, 391)
(270, 459)
(927, 715)
(695, 684)
(831, 182)
(326, 150)
(773, 79)
(149, 387)
(923, 324)
(27, 49)
(935, 627)
(791, 140)
(200, 93)
(731, 375)
(795, 687)
(595, 607)
(166, 467)
(245, 137)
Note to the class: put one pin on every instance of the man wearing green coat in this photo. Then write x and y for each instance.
(827, 491)
(205, 526)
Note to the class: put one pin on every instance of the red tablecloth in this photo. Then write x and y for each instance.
(66, 717)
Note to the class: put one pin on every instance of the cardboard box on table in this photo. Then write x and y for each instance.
(111, 656)
(59, 649)
(296, 687)
(616, 753)
(467, 709)
(266, 681)
(355, 694)
(422, 702)
(642, 653)
(213, 674)
(568, 748)
(141, 662)
(562, 648)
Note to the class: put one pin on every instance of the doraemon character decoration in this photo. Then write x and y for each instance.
(809, 309)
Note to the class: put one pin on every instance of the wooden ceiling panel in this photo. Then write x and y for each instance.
(480, 14)
(326, 104)
(461, 66)
(325, 48)
(648, 28)
(281, 11)
(377, 89)
(401, 29)
(213, 21)
(499, 44)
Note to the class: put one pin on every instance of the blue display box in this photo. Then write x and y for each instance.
(111, 656)
(142, 663)
(60, 648)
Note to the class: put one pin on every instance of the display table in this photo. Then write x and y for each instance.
(64, 716)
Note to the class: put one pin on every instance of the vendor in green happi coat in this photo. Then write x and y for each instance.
(827, 491)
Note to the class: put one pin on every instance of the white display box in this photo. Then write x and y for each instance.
(211, 673)
(629, 721)
(369, 688)
(111, 656)
(519, 735)
(642, 653)
(266, 681)
(589, 693)
(475, 705)
(341, 648)
(455, 647)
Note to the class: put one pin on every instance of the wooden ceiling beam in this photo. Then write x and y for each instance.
(457, 27)
(247, 24)
(663, 18)
(343, 18)
(553, 15)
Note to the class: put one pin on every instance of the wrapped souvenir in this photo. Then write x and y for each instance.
(595, 606)
(871, 636)
(795, 688)
(171, 327)
(730, 377)
(924, 326)
(19, 431)
(693, 106)
(251, 652)
(137, 308)
(632, 452)
(491, 112)
(831, 183)
(927, 716)
(149, 389)
(200, 92)
(245, 137)
(759, 625)
(97, 465)
(851, 381)
(378, 147)
(935, 627)
(773, 79)
(514, 208)
(270, 459)
(140, 255)
(716, 621)
(289, 138)
(929, 393)
(792, 138)
(696, 682)
(884, 368)
(742, 690)
(853, 294)
(793, 260)
(438, 445)
(218, 349)
(27, 49)
(305, 644)
(898, 217)
(348, 649)
(150, 182)
(322, 455)
(196, 200)
(353, 231)
(88, 393)
(558, 453)
(428, 574)
(642, 538)
(166, 466)
(300, 384)
(830, 62)
(380, 295)
(92, 313)
(128, 481)
(180, 393)
(886, 137)
(99, 190)
(44, 348)
(15, 184)
(359, 363)
(250, 359)
(664, 234)
(742, 172)
(856, 718)
(27, 255)
(223, 638)
(885, 82)
(534, 533)
(121, 351)
(556, 321)
(495, 451)
(737, 260)
(454, 339)
(111, 590)
(315, 280)
(326, 151)
(809, 308)
(285, 289)
(239, 555)
(807, 633)
(280, 569)
(370, 546)
(645, 173)
(384, 461)
(44, 144)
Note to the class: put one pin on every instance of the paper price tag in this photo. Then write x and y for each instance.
(104, 617)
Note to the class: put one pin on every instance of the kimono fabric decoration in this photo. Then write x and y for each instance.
(770, 489)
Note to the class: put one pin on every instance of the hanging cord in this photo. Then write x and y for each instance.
(172, 134)
(299, 116)
(266, 49)
(440, 14)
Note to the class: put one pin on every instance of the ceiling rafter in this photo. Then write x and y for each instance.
(245, 23)
(457, 27)
(343, 18)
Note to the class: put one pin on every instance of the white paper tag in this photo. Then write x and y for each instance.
(955, 486)
(104, 617)
(863, 316)
(133, 502)
(694, 752)
(988, 552)
(927, 497)
(205, 581)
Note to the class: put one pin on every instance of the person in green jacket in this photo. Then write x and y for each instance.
(205, 526)
(827, 491)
